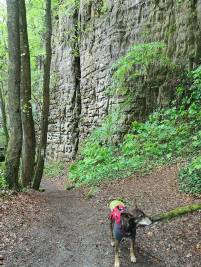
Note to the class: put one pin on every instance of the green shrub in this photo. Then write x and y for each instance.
(190, 177)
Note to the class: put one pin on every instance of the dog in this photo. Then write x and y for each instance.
(123, 224)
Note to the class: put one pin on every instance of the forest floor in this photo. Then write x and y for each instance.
(64, 228)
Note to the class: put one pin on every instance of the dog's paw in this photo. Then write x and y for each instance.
(133, 259)
(112, 243)
(117, 264)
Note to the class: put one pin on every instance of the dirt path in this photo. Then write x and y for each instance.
(73, 231)
(72, 234)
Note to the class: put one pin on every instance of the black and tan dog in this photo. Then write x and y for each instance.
(124, 224)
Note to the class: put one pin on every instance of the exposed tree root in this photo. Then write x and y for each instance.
(176, 212)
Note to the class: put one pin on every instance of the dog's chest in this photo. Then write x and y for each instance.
(120, 232)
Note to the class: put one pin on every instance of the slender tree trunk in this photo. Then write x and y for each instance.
(3, 112)
(45, 108)
(14, 113)
(28, 146)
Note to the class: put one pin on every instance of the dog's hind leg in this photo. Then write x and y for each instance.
(111, 234)
(132, 253)
(117, 261)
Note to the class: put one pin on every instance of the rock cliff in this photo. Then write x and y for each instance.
(89, 40)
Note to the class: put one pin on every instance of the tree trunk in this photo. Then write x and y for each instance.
(28, 146)
(14, 114)
(4, 119)
(45, 108)
(176, 212)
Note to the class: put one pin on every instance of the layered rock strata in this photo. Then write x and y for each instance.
(87, 43)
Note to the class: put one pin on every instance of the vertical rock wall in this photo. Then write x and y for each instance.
(65, 104)
(87, 44)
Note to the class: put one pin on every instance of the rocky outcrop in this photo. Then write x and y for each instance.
(88, 42)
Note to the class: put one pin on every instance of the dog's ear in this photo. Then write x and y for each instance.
(135, 204)
(135, 212)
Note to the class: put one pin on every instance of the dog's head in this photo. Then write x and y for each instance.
(137, 217)
(140, 218)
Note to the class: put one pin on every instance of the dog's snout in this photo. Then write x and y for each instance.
(145, 221)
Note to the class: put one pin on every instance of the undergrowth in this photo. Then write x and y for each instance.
(190, 177)
(54, 169)
(167, 135)
(3, 184)
(2, 138)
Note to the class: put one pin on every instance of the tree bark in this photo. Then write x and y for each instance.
(176, 212)
(14, 114)
(45, 109)
(3, 112)
(28, 146)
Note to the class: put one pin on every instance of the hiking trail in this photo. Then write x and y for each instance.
(74, 232)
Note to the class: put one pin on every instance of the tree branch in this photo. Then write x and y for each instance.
(179, 211)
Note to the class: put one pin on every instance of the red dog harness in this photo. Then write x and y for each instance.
(115, 214)
(117, 208)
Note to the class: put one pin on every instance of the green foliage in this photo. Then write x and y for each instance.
(3, 184)
(104, 7)
(35, 23)
(180, 1)
(68, 7)
(54, 169)
(190, 177)
(168, 134)
(3, 43)
(2, 138)
(140, 62)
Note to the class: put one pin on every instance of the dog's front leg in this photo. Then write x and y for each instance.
(132, 252)
(111, 234)
(117, 262)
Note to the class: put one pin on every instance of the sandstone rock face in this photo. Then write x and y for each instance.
(87, 43)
